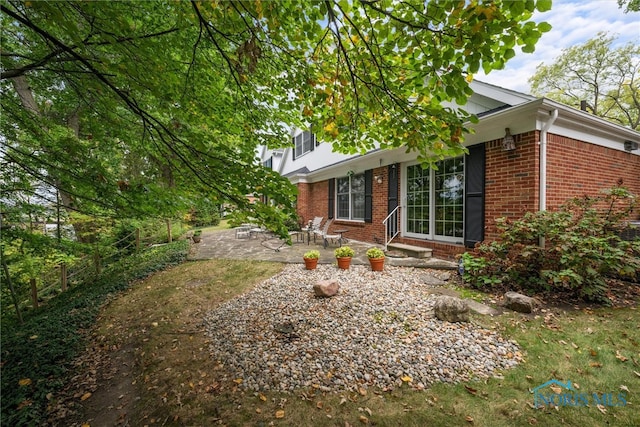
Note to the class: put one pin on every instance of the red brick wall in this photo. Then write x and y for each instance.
(313, 200)
(576, 168)
(511, 180)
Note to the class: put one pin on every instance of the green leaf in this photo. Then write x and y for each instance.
(544, 5)
(544, 27)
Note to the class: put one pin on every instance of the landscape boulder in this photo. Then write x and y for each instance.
(451, 309)
(518, 302)
(326, 288)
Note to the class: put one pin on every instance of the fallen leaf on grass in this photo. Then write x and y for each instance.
(280, 413)
(24, 381)
(620, 357)
(601, 408)
(364, 420)
(556, 389)
(624, 388)
(596, 365)
(24, 403)
(593, 352)
(471, 390)
(258, 411)
(406, 379)
(469, 419)
(262, 397)
(637, 373)
(85, 396)
(319, 405)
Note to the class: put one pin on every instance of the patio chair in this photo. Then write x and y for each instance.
(324, 233)
(312, 227)
(243, 231)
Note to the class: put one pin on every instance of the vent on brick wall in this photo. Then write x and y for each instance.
(630, 145)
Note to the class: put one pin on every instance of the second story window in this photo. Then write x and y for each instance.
(303, 143)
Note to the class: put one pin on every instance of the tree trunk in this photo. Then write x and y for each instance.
(11, 290)
(21, 85)
(34, 292)
(169, 236)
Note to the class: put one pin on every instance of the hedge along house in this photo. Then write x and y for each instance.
(526, 154)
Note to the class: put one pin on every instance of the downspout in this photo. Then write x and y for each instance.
(543, 163)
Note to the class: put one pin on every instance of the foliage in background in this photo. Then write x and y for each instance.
(607, 79)
(29, 253)
(581, 248)
(203, 213)
(131, 109)
(37, 354)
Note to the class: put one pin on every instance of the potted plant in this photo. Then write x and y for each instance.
(343, 256)
(376, 258)
(311, 259)
(197, 236)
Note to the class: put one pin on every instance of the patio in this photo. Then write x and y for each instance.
(224, 244)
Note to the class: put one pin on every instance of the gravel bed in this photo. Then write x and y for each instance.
(379, 331)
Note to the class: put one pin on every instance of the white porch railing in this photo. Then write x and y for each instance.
(391, 228)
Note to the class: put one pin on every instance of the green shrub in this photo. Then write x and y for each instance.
(571, 251)
(343, 251)
(312, 254)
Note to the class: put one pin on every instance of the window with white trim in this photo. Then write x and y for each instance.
(303, 143)
(435, 200)
(350, 198)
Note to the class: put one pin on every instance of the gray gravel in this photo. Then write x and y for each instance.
(379, 331)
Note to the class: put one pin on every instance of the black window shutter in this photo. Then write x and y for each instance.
(368, 195)
(332, 184)
(392, 196)
(474, 195)
(293, 152)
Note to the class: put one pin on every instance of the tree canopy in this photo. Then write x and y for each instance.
(134, 108)
(606, 78)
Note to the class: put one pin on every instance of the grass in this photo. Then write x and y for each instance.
(180, 384)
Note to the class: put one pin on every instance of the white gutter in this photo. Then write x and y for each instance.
(543, 164)
(543, 158)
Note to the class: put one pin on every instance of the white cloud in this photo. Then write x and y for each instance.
(574, 22)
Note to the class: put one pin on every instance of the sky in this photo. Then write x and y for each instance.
(574, 22)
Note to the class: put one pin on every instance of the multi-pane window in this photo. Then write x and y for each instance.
(418, 199)
(303, 143)
(350, 197)
(268, 163)
(435, 200)
(449, 198)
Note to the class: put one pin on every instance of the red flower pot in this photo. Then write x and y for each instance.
(377, 264)
(344, 262)
(310, 263)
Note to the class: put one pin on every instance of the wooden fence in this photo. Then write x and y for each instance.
(87, 267)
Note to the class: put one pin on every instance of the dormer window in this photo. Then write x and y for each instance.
(303, 143)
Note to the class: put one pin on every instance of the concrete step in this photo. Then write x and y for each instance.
(412, 251)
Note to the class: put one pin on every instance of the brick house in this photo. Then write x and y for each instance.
(385, 195)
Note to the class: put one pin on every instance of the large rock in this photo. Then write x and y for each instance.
(451, 309)
(326, 288)
(518, 302)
